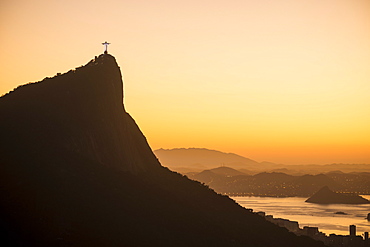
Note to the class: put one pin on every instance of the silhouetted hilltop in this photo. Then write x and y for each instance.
(227, 171)
(327, 196)
(208, 177)
(75, 170)
(81, 112)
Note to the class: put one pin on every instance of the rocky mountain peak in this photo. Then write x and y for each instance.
(80, 112)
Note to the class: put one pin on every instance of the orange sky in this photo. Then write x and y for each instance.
(280, 80)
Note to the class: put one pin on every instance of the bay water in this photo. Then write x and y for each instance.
(315, 215)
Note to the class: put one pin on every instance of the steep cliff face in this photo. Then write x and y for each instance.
(77, 112)
(75, 170)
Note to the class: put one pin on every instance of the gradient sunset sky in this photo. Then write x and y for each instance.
(286, 81)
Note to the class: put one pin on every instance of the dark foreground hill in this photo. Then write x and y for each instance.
(75, 170)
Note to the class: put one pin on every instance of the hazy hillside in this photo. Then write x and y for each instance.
(197, 159)
(227, 171)
(75, 170)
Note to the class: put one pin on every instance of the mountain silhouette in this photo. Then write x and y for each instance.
(75, 170)
(327, 196)
(227, 171)
(79, 112)
(198, 159)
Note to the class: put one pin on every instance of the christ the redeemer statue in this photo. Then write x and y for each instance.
(106, 47)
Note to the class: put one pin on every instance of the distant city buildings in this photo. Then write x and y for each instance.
(333, 240)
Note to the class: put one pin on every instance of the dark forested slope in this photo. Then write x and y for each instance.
(75, 170)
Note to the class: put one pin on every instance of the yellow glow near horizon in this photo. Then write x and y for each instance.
(284, 81)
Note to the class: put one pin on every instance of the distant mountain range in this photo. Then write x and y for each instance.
(185, 160)
(229, 181)
(197, 159)
(75, 170)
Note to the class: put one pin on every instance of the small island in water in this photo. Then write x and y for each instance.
(327, 196)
